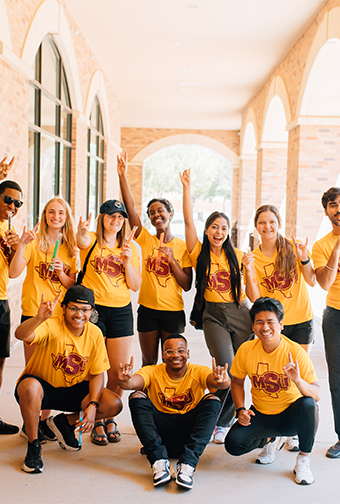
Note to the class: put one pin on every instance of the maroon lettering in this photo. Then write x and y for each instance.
(270, 382)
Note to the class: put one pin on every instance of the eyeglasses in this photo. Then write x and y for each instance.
(170, 353)
(85, 311)
(8, 201)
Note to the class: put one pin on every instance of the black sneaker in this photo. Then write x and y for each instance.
(33, 462)
(46, 431)
(184, 475)
(41, 437)
(64, 432)
(161, 472)
(6, 428)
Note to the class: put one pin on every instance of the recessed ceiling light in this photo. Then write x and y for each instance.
(186, 70)
(192, 6)
(186, 89)
(177, 44)
(189, 45)
(77, 32)
(190, 84)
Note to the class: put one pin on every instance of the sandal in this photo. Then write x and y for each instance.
(99, 439)
(113, 436)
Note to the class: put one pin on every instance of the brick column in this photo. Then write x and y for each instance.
(271, 173)
(313, 167)
(247, 196)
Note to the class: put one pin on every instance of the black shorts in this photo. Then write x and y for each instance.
(5, 329)
(300, 333)
(162, 320)
(59, 398)
(115, 322)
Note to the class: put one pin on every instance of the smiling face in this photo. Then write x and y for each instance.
(267, 225)
(159, 215)
(55, 215)
(268, 329)
(175, 355)
(333, 213)
(7, 209)
(76, 316)
(217, 232)
(113, 223)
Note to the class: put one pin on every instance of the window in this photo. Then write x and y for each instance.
(95, 161)
(49, 137)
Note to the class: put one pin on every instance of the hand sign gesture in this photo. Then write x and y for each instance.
(185, 178)
(5, 167)
(125, 371)
(28, 236)
(292, 370)
(122, 164)
(220, 374)
(301, 250)
(83, 226)
(46, 308)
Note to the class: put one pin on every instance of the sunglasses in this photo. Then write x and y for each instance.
(8, 201)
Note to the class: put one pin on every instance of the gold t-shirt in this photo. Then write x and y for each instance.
(321, 252)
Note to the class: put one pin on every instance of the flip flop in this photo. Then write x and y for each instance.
(112, 436)
(99, 439)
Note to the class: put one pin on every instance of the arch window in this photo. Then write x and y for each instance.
(95, 160)
(50, 125)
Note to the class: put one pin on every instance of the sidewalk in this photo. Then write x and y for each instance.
(118, 473)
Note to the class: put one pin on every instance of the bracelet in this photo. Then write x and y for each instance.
(332, 269)
(305, 262)
(94, 403)
(238, 411)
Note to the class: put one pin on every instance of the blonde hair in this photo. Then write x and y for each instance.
(68, 231)
(285, 262)
(100, 232)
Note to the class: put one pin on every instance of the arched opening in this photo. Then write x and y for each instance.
(247, 186)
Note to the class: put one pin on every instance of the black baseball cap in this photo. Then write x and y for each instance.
(78, 294)
(112, 206)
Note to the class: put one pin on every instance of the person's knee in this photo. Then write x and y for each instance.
(138, 394)
(30, 388)
(232, 445)
(211, 396)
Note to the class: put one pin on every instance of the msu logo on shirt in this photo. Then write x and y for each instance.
(177, 402)
(159, 267)
(69, 363)
(273, 281)
(111, 266)
(46, 273)
(270, 382)
(219, 282)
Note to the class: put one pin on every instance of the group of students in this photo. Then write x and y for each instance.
(279, 268)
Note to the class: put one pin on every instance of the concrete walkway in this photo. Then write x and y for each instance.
(117, 473)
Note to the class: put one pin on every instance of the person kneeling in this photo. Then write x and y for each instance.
(170, 413)
(284, 392)
(66, 373)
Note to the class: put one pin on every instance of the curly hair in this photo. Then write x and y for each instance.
(165, 202)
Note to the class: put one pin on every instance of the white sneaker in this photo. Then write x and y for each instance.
(184, 475)
(267, 455)
(303, 474)
(161, 472)
(292, 444)
(219, 435)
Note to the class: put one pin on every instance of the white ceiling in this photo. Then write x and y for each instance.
(189, 63)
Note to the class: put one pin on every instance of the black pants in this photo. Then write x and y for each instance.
(301, 418)
(165, 435)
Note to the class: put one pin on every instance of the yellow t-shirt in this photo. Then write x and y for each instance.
(105, 274)
(63, 359)
(321, 252)
(5, 253)
(292, 293)
(40, 279)
(175, 396)
(272, 391)
(218, 289)
(160, 290)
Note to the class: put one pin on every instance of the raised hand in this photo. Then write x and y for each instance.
(122, 164)
(185, 178)
(83, 226)
(220, 374)
(248, 260)
(301, 249)
(5, 167)
(125, 371)
(126, 254)
(292, 369)
(46, 308)
(28, 236)
(12, 239)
